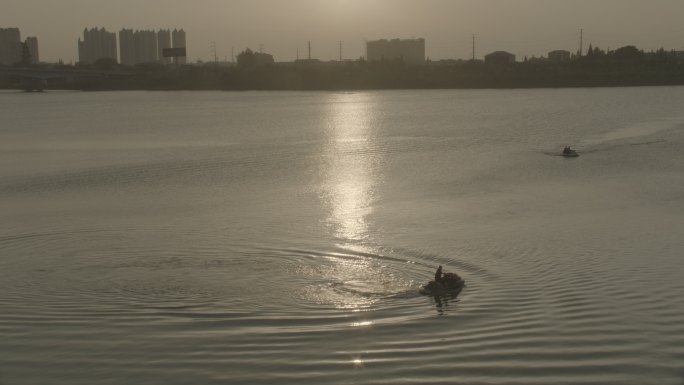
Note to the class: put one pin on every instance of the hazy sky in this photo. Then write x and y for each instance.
(524, 27)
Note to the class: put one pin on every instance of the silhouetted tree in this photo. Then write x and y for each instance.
(628, 54)
(246, 59)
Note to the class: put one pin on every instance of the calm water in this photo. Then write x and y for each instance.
(281, 238)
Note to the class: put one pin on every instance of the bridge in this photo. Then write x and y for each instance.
(37, 78)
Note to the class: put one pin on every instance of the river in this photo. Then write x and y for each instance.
(282, 237)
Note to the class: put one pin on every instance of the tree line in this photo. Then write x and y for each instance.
(625, 66)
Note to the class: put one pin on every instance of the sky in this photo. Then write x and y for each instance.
(281, 27)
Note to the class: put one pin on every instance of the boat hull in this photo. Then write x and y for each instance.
(451, 284)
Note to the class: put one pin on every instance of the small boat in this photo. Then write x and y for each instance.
(450, 284)
(569, 153)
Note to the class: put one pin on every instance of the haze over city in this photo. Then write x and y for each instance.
(524, 27)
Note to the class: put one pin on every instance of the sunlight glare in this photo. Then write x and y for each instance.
(351, 175)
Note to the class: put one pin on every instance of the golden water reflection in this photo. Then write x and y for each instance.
(357, 362)
(349, 192)
(351, 165)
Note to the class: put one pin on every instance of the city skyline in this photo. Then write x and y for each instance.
(523, 27)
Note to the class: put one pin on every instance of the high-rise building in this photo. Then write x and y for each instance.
(145, 43)
(32, 44)
(10, 46)
(179, 42)
(126, 47)
(410, 51)
(163, 41)
(96, 44)
(146, 46)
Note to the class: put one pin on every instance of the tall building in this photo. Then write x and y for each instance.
(10, 46)
(163, 41)
(145, 43)
(179, 42)
(126, 47)
(146, 46)
(96, 44)
(32, 43)
(411, 51)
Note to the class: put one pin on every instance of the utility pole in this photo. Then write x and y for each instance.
(340, 51)
(213, 48)
(473, 47)
(581, 42)
(309, 49)
(297, 53)
(232, 55)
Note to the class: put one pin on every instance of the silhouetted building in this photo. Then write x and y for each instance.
(126, 47)
(500, 57)
(163, 41)
(10, 46)
(96, 44)
(143, 46)
(145, 43)
(25, 54)
(411, 51)
(559, 56)
(179, 42)
(32, 44)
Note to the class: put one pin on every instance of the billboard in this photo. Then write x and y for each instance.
(173, 52)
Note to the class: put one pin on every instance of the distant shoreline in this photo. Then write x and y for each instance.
(349, 76)
(521, 87)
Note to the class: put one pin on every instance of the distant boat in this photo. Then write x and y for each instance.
(569, 153)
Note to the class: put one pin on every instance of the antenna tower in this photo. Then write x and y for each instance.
(340, 50)
(213, 49)
(581, 42)
(473, 47)
(309, 49)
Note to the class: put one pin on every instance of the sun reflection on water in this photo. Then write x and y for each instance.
(350, 174)
(351, 167)
(357, 362)
(362, 324)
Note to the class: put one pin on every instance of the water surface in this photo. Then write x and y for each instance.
(281, 237)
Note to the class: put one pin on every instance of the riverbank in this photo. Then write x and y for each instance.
(368, 76)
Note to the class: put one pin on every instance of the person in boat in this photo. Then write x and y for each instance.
(567, 150)
(438, 274)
